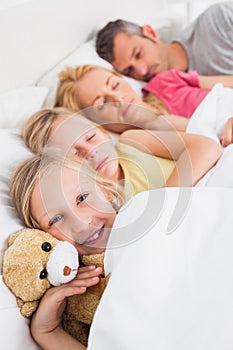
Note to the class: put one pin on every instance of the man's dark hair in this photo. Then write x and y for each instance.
(106, 35)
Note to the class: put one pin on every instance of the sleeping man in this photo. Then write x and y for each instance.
(205, 46)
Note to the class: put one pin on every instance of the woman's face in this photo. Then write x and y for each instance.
(88, 142)
(108, 99)
(73, 208)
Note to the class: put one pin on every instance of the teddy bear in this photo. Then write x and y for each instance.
(34, 261)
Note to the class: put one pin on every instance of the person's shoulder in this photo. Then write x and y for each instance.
(218, 10)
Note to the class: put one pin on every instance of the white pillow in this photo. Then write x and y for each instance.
(12, 152)
(18, 104)
(85, 54)
(16, 334)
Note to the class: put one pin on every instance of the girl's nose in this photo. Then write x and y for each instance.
(92, 153)
(81, 223)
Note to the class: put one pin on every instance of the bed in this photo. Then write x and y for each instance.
(183, 298)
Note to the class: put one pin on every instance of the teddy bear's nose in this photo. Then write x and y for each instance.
(66, 271)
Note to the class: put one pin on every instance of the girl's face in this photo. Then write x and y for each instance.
(111, 98)
(87, 142)
(73, 208)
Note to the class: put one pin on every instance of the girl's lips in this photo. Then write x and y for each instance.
(101, 163)
(95, 237)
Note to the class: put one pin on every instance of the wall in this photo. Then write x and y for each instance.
(36, 34)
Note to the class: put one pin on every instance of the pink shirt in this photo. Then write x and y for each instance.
(180, 91)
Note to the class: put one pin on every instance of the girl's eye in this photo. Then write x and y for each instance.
(81, 198)
(56, 219)
(89, 138)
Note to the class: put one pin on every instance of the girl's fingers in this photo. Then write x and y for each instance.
(227, 134)
(86, 268)
(86, 282)
(88, 272)
(76, 286)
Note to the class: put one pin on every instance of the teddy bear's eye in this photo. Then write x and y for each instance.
(46, 246)
(43, 274)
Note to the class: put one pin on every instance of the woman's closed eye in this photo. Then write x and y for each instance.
(81, 198)
(55, 219)
(115, 85)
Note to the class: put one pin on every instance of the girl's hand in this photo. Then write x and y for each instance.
(227, 135)
(45, 321)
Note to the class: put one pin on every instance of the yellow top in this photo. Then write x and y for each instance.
(142, 171)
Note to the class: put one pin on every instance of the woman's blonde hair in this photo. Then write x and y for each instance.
(68, 95)
(28, 174)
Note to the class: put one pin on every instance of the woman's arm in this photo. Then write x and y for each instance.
(147, 117)
(167, 122)
(194, 154)
(45, 322)
(207, 82)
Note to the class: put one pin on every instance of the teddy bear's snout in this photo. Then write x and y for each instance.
(63, 263)
(67, 271)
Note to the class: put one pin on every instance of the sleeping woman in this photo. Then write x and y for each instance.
(113, 101)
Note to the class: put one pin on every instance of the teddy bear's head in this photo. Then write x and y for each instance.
(33, 262)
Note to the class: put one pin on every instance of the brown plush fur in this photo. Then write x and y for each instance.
(22, 262)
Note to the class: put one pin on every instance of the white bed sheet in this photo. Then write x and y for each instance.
(209, 120)
(211, 115)
(169, 291)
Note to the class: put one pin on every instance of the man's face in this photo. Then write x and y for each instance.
(140, 57)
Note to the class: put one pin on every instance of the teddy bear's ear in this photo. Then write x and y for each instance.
(12, 238)
(27, 308)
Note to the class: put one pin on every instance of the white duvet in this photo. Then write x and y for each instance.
(171, 259)
(170, 289)
(209, 120)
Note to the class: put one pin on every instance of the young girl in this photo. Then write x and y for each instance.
(140, 159)
(179, 94)
(65, 198)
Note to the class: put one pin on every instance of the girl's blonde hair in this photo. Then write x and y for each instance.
(28, 174)
(68, 95)
(155, 102)
(36, 131)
